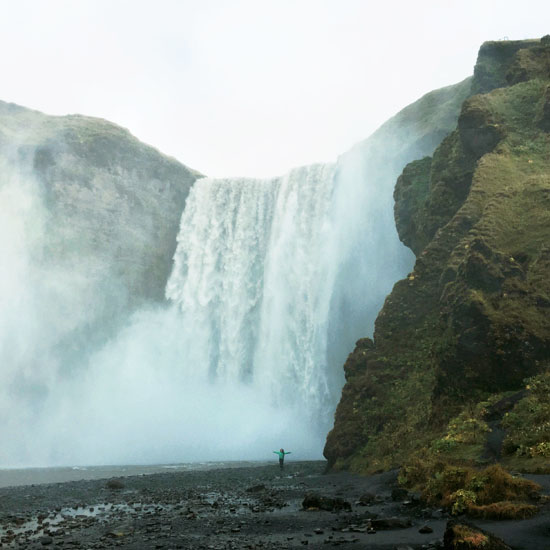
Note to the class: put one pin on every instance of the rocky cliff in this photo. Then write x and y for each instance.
(472, 319)
(92, 211)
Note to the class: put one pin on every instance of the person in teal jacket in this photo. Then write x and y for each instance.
(282, 454)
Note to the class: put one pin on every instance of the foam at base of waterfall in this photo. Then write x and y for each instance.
(149, 406)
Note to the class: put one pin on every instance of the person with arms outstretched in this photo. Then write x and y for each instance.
(282, 454)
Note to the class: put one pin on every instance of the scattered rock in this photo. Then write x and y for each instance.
(425, 529)
(384, 524)
(462, 535)
(328, 504)
(399, 493)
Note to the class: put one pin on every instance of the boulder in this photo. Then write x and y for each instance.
(462, 535)
(385, 524)
(329, 504)
(399, 494)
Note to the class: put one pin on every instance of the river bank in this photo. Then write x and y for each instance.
(239, 507)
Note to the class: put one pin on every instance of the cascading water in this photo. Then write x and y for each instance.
(251, 281)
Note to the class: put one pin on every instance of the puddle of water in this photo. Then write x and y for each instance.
(53, 521)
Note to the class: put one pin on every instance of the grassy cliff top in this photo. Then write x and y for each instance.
(22, 127)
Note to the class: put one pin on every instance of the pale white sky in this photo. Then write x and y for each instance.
(247, 87)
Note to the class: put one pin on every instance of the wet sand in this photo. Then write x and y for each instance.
(232, 508)
(34, 476)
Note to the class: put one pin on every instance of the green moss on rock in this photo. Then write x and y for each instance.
(472, 318)
(494, 61)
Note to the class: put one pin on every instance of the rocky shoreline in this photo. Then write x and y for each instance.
(233, 508)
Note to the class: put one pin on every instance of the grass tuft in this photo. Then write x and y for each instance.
(503, 510)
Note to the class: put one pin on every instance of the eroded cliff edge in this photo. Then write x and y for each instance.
(472, 319)
(90, 217)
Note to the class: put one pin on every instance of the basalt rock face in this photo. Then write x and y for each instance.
(473, 318)
(105, 215)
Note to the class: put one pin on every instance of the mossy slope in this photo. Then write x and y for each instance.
(472, 319)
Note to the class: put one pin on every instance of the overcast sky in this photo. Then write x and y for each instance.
(246, 87)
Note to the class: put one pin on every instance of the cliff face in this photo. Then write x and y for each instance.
(472, 319)
(97, 217)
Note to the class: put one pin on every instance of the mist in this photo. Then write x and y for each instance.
(244, 357)
(148, 316)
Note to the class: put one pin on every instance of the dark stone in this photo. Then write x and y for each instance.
(115, 484)
(367, 498)
(385, 524)
(328, 504)
(399, 493)
(425, 529)
(45, 541)
(463, 535)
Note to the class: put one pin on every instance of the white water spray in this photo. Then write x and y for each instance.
(272, 283)
(252, 280)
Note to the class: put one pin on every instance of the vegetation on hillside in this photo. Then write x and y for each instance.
(455, 341)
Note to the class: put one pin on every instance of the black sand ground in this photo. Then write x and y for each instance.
(250, 507)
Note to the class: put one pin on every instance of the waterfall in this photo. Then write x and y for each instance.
(251, 279)
(272, 283)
